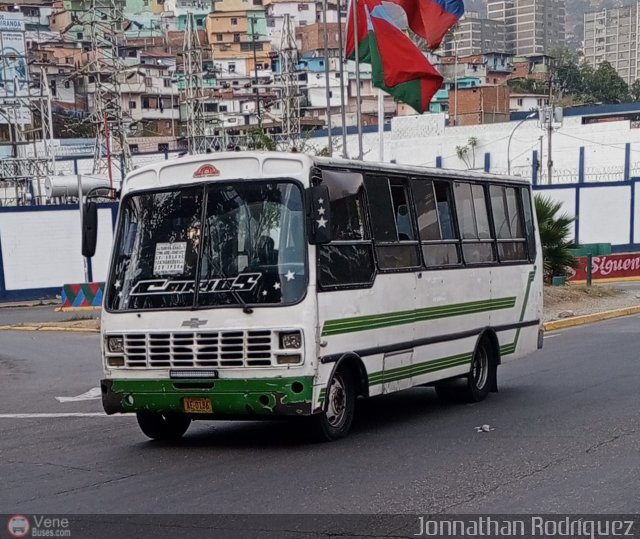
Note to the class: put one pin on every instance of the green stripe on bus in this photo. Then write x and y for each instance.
(363, 323)
(418, 369)
(509, 349)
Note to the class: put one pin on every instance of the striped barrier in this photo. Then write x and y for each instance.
(82, 296)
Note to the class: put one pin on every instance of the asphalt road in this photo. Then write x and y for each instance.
(566, 439)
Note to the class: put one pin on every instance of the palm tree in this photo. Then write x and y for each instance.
(555, 233)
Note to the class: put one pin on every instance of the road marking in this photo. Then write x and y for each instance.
(93, 394)
(58, 415)
(552, 335)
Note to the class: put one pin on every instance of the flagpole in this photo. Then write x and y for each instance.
(381, 125)
(326, 78)
(343, 112)
(356, 37)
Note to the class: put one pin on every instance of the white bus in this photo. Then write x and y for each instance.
(261, 285)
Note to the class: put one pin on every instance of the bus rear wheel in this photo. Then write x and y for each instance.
(334, 422)
(164, 427)
(477, 384)
(481, 377)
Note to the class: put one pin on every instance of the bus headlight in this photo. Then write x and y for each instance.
(291, 340)
(115, 345)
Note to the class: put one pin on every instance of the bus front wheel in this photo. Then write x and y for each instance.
(165, 427)
(334, 422)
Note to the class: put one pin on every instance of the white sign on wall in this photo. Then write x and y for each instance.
(14, 71)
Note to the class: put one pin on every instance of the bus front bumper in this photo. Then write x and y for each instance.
(227, 397)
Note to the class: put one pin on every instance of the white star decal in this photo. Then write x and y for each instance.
(321, 211)
(290, 276)
(264, 293)
(276, 286)
(117, 284)
(322, 222)
(321, 201)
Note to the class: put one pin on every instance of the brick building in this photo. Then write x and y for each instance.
(479, 105)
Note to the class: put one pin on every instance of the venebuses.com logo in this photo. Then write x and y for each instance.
(18, 526)
(38, 526)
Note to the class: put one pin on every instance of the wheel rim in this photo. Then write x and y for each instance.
(337, 402)
(480, 368)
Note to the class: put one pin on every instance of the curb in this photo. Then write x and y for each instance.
(590, 318)
(49, 328)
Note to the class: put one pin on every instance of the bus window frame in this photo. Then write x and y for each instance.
(317, 179)
(404, 181)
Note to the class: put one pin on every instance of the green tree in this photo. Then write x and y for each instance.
(568, 78)
(555, 233)
(605, 85)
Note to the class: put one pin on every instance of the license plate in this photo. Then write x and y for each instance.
(197, 405)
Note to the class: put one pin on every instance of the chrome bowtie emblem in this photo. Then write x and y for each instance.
(193, 323)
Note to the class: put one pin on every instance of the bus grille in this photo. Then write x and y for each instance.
(196, 349)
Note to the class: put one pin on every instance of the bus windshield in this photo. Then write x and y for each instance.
(222, 244)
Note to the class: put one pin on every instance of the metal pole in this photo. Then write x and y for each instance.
(381, 125)
(343, 112)
(455, 83)
(81, 208)
(255, 71)
(550, 148)
(356, 34)
(326, 78)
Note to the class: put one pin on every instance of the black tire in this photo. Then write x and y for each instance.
(164, 427)
(334, 422)
(482, 374)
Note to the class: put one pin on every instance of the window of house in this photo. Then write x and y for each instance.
(134, 148)
(396, 244)
(222, 108)
(132, 105)
(234, 21)
(520, 102)
(346, 262)
(167, 83)
(236, 38)
(231, 67)
(80, 36)
(436, 226)
(200, 22)
(303, 7)
(67, 84)
(163, 147)
(219, 37)
(145, 103)
(473, 222)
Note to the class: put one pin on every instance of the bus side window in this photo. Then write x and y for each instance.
(391, 223)
(473, 219)
(507, 219)
(528, 222)
(440, 246)
(346, 262)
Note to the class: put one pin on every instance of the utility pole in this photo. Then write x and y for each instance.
(343, 112)
(106, 68)
(550, 147)
(255, 71)
(192, 95)
(326, 76)
(290, 116)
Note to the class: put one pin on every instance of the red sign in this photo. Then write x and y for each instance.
(206, 171)
(623, 266)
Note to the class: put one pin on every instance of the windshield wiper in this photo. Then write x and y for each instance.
(245, 307)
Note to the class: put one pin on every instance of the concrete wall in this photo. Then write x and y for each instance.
(40, 250)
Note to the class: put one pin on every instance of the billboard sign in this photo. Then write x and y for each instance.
(609, 268)
(14, 71)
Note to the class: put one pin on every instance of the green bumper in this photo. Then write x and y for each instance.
(229, 397)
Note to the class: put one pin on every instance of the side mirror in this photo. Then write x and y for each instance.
(319, 215)
(89, 229)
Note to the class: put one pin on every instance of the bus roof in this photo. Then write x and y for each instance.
(252, 164)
